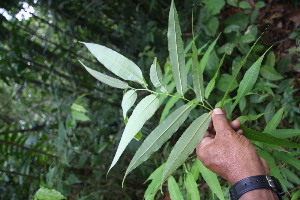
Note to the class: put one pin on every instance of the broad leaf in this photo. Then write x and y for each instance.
(205, 58)
(159, 136)
(266, 138)
(197, 75)
(288, 159)
(174, 190)
(175, 46)
(156, 76)
(191, 186)
(275, 120)
(284, 133)
(106, 79)
(128, 100)
(248, 81)
(186, 144)
(142, 112)
(116, 63)
(171, 102)
(210, 86)
(211, 179)
(250, 117)
(48, 194)
(273, 168)
(270, 73)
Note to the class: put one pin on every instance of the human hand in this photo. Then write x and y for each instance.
(225, 151)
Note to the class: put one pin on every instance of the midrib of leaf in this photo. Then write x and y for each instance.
(198, 73)
(129, 97)
(188, 143)
(161, 135)
(161, 84)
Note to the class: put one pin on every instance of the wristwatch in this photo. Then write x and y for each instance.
(256, 182)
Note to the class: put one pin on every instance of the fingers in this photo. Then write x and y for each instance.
(240, 132)
(266, 166)
(235, 124)
(220, 122)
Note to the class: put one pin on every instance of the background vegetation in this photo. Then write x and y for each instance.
(46, 141)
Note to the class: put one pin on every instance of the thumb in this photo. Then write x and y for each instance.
(220, 122)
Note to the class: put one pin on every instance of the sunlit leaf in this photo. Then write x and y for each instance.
(155, 183)
(142, 112)
(80, 116)
(156, 76)
(48, 194)
(174, 190)
(175, 46)
(116, 63)
(250, 117)
(128, 100)
(191, 186)
(113, 82)
(211, 179)
(159, 136)
(186, 144)
(248, 81)
(275, 120)
(197, 75)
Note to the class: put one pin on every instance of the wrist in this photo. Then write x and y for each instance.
(243, 173)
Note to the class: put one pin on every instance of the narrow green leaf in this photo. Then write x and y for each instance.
(155, 183)
(266, 138)
(273, 167)
(128, 100)
(212, 82)
(211, 179)
(186, 144)
(159, 136)
(116, 63)
(197, 75)
(284, 133)
(195, 170)
(269, 112)
(248, 81)
(174, 190)
(205, 58)
(80, 116)
(113, 82)
(275, 120)
(191, 187)
(175, 46)
(48, 194)
(296, 195)
(168, 106)
(142, 112)
(156, 76)
(285, 157)
(291, 176)
(250, 117)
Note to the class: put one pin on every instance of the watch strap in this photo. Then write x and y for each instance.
(253, 183)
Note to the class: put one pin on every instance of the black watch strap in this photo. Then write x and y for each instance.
(253, 183)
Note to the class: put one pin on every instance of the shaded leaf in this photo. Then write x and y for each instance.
(207, 53)
(156, 76)
(275, 120)
(224, 81)
(116, 63)
(214, 7)
(142, 112)
(186, 144)
(191, 186)
(175, 46)
(168, 106)
(128, 100)
(270, 73)
(285, 157)
(269, 112)
(48, 194)
(174, 190)
(250, 117)
(284, 133)
(197, 75)
(211, 179)
(113, 82)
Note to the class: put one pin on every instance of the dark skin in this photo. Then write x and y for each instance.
(225, 151)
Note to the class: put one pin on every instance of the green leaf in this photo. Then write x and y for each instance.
(211, 179)
(197, 75)
(168, 106)
(191, 187)
(284, 133)
(271, 59)
(155, 183)
(212, 82)
(113, 82)
(206, 55)
(142, 112)
(260, 4)
(275, 120)
(214, 7)
(232, 2)
(156, 76)
(80, 116)
(273, 167)
(175, 46)
(248, 81)
(288, 159)
(296, 195)
(250, 117)
(138, 136)
(159, 136)
(186, 144)
(116, 63)
(292, 177)
(174, 190)
(195, 170)
(78, 107)
(266, 138)
(244, 4)
(224, 81)
(270, 73)
(269, 112)
(128, 100)
(48, 194)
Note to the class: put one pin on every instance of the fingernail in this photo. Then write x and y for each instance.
(218, 111)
